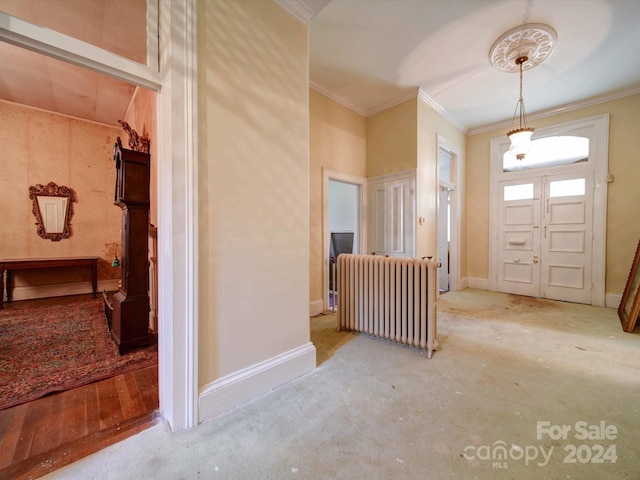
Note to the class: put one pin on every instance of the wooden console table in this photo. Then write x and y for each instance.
(12, 264)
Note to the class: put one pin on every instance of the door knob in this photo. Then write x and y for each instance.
(535, 259)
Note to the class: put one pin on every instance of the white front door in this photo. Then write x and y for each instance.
(545, 237)
(567, 238)
(562, 218)
(519, 237)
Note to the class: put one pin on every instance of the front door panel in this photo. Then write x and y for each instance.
(518, 237)
(567, 239)
(545, 237)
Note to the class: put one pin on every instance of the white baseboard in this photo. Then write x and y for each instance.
(612, 300)
(478, 283)
(463, 283)
(228, 392)
(29, 292)
(316, 307)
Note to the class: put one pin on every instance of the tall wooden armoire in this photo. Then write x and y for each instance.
(130, 317)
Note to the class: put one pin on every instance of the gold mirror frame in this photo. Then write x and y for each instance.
(52, 190)
(629, 308)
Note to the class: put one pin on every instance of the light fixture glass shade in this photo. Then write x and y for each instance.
(520, 141)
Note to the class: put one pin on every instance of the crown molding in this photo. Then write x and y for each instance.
(341, 100)
(419, 93)
(443, 113)
(413, 93)
(296, 8)
(303, 10)
(606, 97)
(403, 97)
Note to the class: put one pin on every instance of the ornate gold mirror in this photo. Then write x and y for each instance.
(629, 308)
(52, 208)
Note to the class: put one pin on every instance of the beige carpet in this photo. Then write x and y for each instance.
(375, 409)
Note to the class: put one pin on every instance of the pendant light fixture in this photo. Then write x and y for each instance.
(517, 50)
(521, 136)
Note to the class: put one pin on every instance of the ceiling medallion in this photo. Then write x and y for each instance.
(535, 41)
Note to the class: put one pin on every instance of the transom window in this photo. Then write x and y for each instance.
(549, 152)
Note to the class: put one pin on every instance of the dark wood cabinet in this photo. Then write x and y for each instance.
(129, 324)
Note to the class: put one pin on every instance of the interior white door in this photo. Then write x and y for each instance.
(519, 237)
(443, 239)
(391, 202)
(567, 238)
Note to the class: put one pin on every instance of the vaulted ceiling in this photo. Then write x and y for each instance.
(366, 54)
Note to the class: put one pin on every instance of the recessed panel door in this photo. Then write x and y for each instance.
(519, 237)
(567, 238)
(391, 218)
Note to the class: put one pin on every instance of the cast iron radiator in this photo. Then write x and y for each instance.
(389, 297)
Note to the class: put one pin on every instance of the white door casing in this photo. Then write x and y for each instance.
(171, 71)
(327, 176)
(561, 269)
(456, 190)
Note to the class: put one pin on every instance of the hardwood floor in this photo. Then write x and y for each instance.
(53, 431)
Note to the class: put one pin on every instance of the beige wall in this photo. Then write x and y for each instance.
(338, 141)
(401, 138)
(391, 140)
(38, 148)
(477, 205)
(431, 125)
(141, 116)
(623, 203)
(253, 169)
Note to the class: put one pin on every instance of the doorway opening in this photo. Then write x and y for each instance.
(444, 238)
(343, 225)
(448, 215)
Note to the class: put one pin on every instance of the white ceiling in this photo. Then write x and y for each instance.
(368, 54)
(372, 54)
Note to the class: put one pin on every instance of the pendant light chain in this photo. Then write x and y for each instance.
(523, 117)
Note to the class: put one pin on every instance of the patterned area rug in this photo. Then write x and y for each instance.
(59, 347)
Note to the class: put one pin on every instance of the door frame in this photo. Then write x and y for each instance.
(171, 73)
(361, 182)
(597, 129)
(455, 203)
